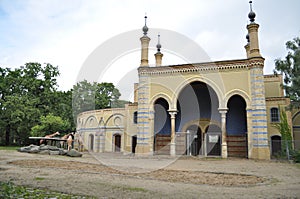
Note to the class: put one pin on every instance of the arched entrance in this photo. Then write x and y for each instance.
(276, 145)
(213, 140)
(194, 140)
(91, 142)
(162, 127)
(197, 101)
(236, 127)
(117, 141)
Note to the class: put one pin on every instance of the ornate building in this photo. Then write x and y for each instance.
(222, 108)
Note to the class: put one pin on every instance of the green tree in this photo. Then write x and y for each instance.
(61, 105)
(290, 68)
(49, 124)
(285, 131)
(26, 93)
(90, 96)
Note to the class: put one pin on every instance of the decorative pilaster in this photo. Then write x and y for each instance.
(173, 133)
(143, 120)
(223, 112)
(259, 148)
(102, 140)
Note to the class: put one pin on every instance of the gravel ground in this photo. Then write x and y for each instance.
(111, 175)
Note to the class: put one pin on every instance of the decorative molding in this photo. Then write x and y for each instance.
(201, 67)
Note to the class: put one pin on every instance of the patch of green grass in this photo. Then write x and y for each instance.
(9, 190)
(9, 148)
(136, 189)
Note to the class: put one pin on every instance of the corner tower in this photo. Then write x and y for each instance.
(144, 137)
(258, 143)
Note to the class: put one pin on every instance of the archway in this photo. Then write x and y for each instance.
(296, 130)
(213, 140)
(162, 127)
(276, 145)
(236, 127)
(91, 142)
(117, 141)
(197, 101)
(194, 140)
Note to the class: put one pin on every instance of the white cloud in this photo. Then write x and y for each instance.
(65, 32)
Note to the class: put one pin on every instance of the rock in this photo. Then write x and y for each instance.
(24, 149)
(34, 149)
(27, 148)
(63, 152)
(53, 148)
(53, 152)
(46, 152)
(74, 153)
(44, 147)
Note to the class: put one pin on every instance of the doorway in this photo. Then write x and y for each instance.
(117, 143)
(133, 144)
(195, 140)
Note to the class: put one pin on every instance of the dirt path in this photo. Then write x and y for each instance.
(119, 176)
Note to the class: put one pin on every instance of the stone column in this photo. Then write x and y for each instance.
(151, 129)
(223, 112)
(173, 135)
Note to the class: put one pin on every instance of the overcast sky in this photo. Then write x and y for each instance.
(65, 32)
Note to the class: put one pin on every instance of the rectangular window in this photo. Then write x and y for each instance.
(135, 117)
(274, 115)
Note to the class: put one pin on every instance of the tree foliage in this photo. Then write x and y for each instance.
(49, 124)
(290, 68)
(90, 96)
(26, 94)
(285, 131)
(30, 103)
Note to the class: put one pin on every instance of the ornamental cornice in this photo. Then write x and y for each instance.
(221, 66)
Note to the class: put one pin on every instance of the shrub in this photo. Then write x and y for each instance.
(296, 156)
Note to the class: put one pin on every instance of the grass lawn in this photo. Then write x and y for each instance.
(9, 147)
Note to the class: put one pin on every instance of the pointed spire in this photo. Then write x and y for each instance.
(145, 28)
(251, 14)
(145, 45)
(158, 55)
(158, 46)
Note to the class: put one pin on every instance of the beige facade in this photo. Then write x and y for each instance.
(222, 108)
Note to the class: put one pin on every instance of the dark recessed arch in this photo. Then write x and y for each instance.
(236, 127)
(196, 101)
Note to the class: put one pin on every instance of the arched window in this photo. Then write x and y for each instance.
(274, 115)
(135, 117)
